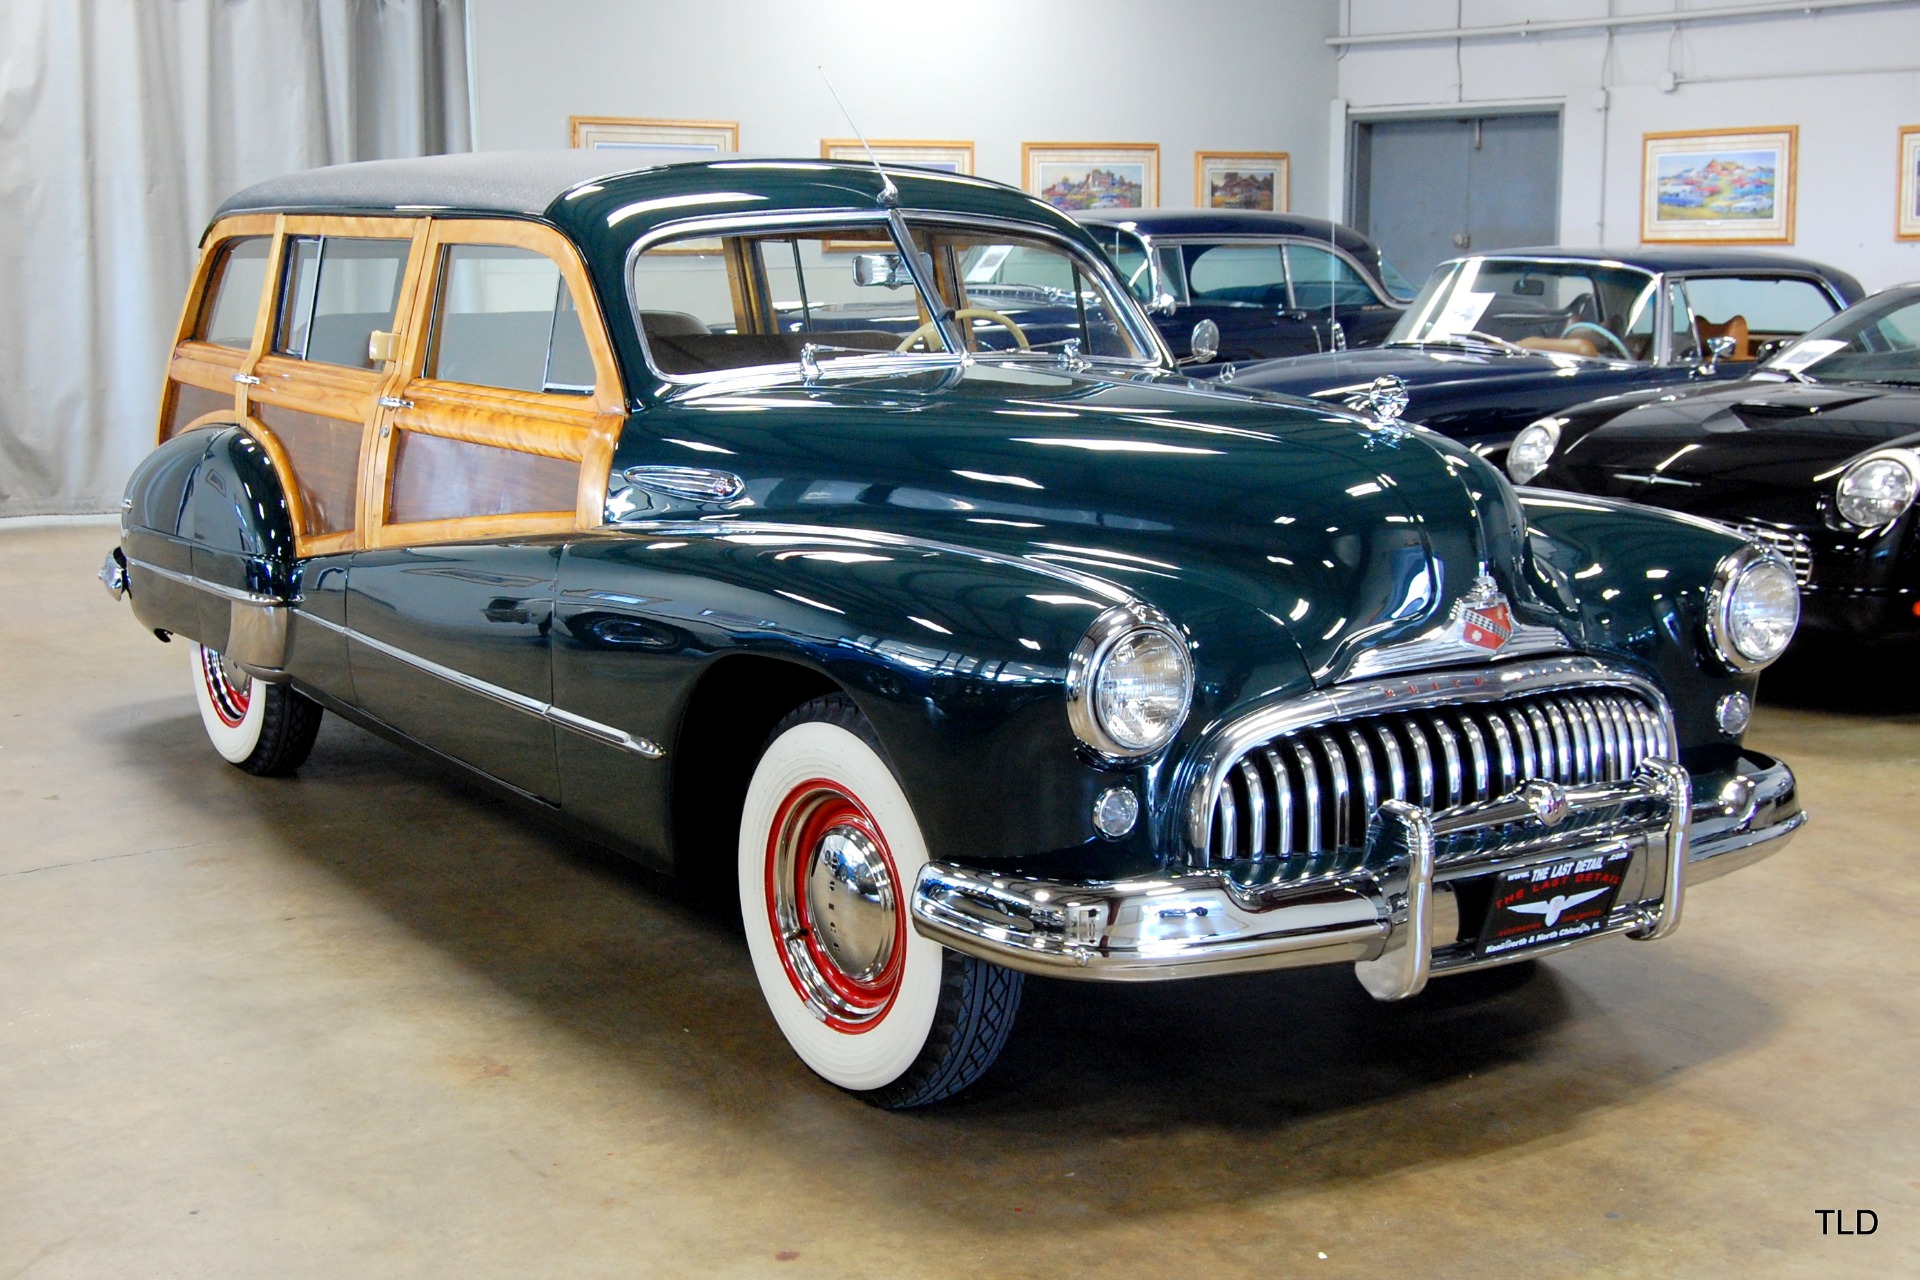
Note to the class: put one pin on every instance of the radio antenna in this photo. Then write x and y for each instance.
(889, 194)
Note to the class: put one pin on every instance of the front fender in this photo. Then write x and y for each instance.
(1637, 580)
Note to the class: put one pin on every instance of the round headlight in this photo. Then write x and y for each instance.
(1532, 448)
(1755, 608)
(1876, 490)
(1129, 682)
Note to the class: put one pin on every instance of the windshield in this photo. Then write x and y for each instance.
(712, 303)
(1877, 341)
(1575, 308)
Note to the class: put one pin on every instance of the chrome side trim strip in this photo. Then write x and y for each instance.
(227, 593)
(505, 697)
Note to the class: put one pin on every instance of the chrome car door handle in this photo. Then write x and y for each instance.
(697, 484)
(246, 379)
(395, 402)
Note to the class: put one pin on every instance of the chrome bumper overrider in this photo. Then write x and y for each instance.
(1399, 921)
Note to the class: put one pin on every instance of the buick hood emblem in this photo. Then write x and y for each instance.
(1482, 618)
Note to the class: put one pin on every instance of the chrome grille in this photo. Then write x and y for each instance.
(1306, 797)
(1794, 548)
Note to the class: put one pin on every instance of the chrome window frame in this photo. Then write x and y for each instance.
(1127, 307)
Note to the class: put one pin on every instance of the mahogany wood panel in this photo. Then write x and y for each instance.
(325, 456)
(186, 403)
(439, 479)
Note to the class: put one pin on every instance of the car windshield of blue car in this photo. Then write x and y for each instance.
(1561, 307)
(1877, 341)
(817, 295)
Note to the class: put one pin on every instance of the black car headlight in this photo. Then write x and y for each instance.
(1533, 448)
(1129, 682)
(1878, 488)
(1753, 609)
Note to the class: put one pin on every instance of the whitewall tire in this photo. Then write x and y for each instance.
(829, 852)
(266, 729)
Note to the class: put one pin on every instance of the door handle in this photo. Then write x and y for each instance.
(246, 379)
(395, 402)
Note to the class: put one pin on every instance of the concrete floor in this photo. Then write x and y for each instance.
(370, 1022)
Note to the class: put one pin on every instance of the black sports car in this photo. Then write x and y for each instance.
(1816, 455)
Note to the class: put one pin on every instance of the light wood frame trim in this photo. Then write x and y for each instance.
(188, 350)
(1791, 186)
(1906, 188)
(582, 429)
(1147, 151)
(576, 125)
(1279, 160)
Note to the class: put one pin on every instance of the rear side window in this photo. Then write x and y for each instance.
(1235, 275)
(336, 291)
(507, 319)
(233, 293)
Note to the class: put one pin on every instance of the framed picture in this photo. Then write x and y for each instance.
(1240, 180)
(1724, 186)
(1908, 226)
(948, 157)
(1093, 175)
(670, 138)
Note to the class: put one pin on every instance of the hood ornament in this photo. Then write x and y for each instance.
(1384, 400)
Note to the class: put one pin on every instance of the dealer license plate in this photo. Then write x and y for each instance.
(1552, 902)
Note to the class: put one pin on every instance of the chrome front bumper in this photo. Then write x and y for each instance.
(1398, 922)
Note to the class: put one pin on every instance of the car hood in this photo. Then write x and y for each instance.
(1432, 368)
(1744, 437)
(1265, 526)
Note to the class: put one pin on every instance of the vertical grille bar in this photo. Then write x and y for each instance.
(1256, 810)
(1450, 756)
(1477, 752)
(1342, 790)
(1542, 737)
(1509, 757)
(1310, 790)
(1369, 781)
(1283, 801)
(1422, 758)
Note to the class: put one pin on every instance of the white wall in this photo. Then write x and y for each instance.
(1847, 79)
(1220, 75)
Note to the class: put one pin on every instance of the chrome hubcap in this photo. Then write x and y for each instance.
(850, 897)
(834, 906)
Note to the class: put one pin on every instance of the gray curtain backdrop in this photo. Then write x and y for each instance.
(123, 125)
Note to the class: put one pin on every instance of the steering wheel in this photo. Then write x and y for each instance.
(1604, 332)
(930, 328)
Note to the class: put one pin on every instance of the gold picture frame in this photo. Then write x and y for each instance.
(946, 156)
(1242, 180)
(1718, 186)
(1092, 175)
(668, 138)
(1906, 224)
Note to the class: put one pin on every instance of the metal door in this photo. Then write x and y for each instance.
(1431, 189)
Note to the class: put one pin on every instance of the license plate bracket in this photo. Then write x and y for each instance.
(1552, 902)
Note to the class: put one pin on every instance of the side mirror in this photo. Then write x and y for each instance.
(1718, 349)
(1163, 304)
(1205, 342)
(880, 270)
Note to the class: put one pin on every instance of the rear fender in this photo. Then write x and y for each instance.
(208, 538)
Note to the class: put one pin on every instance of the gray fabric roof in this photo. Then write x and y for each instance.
(524, 182)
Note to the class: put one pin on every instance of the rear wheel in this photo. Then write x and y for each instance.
(266, 729)
(829, 852)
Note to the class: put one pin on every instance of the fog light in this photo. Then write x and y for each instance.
(1733, 712)
(1115, 811)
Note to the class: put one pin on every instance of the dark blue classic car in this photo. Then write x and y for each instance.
(1816, 455)
(1251, 285)
(1497, 340)
(730, 514)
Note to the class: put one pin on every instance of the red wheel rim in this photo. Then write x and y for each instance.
(230, 701)
(810, 813)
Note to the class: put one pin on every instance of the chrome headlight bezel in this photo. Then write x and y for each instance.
(1906, 460)
(1729, 576)
(1087, 663)
(1547, 429)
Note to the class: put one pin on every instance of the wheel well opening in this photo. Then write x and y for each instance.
(728, 719)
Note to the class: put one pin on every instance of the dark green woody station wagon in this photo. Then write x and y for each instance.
(850, 532)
